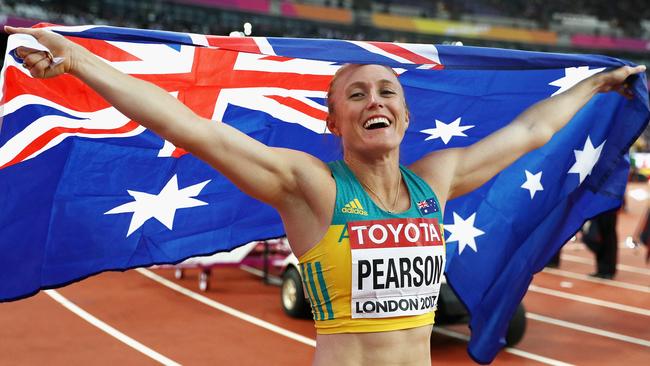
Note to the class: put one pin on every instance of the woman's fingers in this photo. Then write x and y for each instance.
(33, 58)
(39, 68)
(40, 65)
(22, 52)
(31, 31)
(12, 30)
(619, 75)
(60, 49)
(620, 83)
(629, 71)
(616, 80)
(638, 69)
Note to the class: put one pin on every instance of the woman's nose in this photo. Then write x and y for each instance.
(374, 101)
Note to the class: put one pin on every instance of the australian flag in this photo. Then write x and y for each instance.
(84, 189)
(428, 206)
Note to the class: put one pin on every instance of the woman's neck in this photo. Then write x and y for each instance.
(381, 178)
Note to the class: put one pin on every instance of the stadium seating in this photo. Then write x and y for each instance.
(620, 28)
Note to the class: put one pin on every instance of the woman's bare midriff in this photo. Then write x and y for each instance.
(399, 347)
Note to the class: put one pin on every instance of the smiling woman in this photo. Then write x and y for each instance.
(354, 224)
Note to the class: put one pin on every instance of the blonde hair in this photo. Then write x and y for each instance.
(341, 71)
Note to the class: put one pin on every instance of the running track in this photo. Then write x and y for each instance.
(145, 317)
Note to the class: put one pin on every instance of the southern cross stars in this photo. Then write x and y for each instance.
(464, 232)
(445, 131)
(162, 206)
(572, 76)
(533, 183)
(586, 159)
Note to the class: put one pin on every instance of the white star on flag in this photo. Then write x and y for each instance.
(162, 206)
(533, 183)
(572, 76)
(445, 131)
(464, 232)
(586, 159)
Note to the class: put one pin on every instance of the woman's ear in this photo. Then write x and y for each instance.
(331, 125)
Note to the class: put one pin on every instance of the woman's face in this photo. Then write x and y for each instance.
(369, 110)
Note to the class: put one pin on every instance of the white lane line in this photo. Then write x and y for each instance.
(586, 329)
(589, 300)
(514, 351)
(110, 330)
(583, 277)
(300, 338)
(227, 309)
(620, 267)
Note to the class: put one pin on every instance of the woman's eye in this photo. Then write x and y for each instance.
(387, 92)
(356, 95)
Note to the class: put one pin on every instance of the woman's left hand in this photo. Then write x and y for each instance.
(616, 80)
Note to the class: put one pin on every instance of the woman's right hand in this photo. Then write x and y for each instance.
(39, 64)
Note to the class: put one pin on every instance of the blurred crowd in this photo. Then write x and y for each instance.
(626, 15)
(629, 18)
(623, 17)
(168, 15)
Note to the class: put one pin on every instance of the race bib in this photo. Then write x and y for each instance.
(397, 265)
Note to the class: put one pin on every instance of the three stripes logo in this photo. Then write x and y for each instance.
(354, 207)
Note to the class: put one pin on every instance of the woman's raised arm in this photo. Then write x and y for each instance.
(468, 168)
(271, 175)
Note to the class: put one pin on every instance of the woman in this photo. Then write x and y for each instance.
(370, 256)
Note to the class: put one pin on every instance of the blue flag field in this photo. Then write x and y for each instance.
(83, 189)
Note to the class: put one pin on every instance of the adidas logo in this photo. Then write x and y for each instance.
(354, 207)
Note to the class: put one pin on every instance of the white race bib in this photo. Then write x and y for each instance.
(397, 266)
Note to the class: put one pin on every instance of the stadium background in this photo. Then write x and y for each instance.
(29, 335)
(615, 28)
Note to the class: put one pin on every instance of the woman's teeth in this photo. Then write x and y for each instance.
(377, 122)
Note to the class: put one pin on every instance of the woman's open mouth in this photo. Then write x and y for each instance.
(376, 122)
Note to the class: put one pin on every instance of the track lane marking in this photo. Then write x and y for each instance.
(620, 267)
(109, 330)
(583, 277)
(226, 309)
(587, 329)
(309, 341)
(589, 300)
(514, 351)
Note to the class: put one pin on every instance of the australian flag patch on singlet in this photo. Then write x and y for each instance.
(428, 206)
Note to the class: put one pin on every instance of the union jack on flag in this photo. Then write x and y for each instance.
(78, 179)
